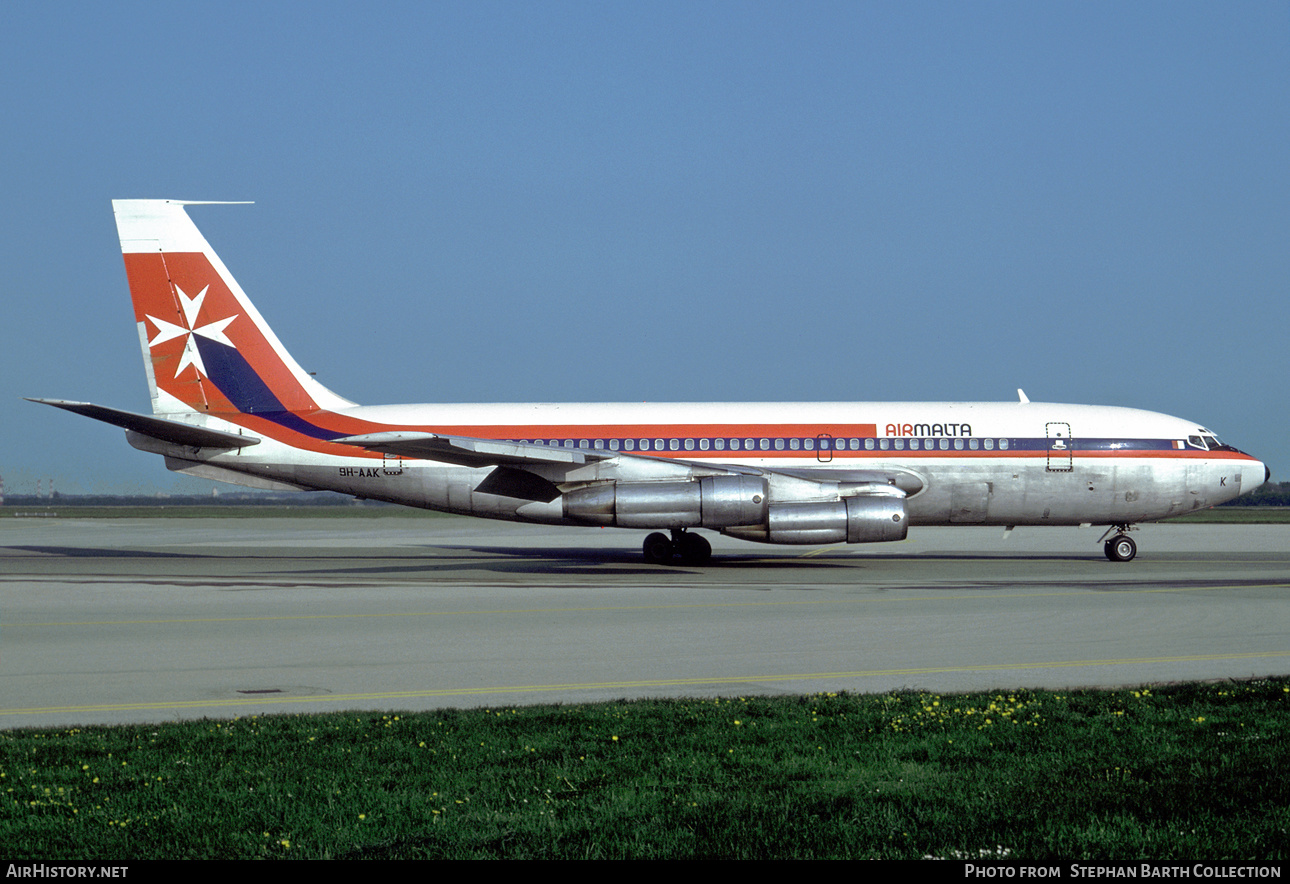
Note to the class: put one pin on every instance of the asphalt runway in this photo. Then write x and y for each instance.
(109, 621)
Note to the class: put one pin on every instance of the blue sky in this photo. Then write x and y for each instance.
(661, 201)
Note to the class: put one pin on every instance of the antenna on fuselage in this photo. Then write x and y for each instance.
(1021, 395)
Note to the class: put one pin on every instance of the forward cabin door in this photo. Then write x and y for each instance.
(1060, 446)
(824, 448)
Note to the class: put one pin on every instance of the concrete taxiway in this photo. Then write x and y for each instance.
(107, 621)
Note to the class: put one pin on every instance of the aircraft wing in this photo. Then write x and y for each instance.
(156, 427)
(472, 452)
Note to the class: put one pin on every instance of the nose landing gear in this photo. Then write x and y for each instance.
(690, 549)
(1121, 547)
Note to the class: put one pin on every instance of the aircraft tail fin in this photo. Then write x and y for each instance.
(206, 349)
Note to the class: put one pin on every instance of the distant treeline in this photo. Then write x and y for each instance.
(1270, 494)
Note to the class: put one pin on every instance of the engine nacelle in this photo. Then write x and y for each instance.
(875, 518)
(710, 502)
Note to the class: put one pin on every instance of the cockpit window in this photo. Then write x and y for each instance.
(1211, 438)
(1207, 440)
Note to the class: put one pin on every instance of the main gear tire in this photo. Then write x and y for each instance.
(658, 549)
(694, 549)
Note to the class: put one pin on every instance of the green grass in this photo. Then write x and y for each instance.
(1239, 515)
(1180, 772)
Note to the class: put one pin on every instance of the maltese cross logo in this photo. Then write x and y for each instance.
(168, 331)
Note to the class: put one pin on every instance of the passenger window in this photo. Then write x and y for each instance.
(793, 444)
(913, 444)
(1003, 444)
(674, 444)
(689, 444)
(868, 444)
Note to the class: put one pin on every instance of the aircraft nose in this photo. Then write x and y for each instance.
(1252, 476)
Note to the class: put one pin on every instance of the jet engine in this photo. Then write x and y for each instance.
(871, 518)
(709, 502)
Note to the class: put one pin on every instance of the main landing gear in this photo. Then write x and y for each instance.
(690, 549)
(1121, 547)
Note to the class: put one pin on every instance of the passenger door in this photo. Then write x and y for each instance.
(1060, 446)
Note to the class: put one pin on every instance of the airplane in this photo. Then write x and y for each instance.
(230, 403)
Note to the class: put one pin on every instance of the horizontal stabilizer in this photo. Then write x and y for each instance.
(467, 452)
(158, 428)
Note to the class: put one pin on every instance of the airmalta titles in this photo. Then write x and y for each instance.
(928, 430)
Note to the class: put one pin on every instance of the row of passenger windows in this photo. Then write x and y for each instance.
(779, 444)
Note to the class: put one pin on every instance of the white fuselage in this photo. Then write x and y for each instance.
(969, 462)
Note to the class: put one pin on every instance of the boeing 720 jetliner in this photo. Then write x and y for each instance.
(229, 403)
